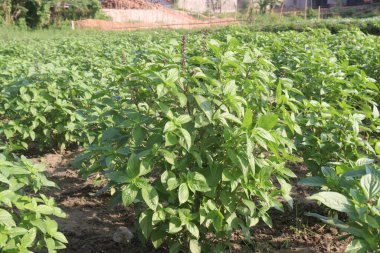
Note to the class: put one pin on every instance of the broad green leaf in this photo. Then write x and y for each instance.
(157, 237)
(175, 225)
(193, 229)
(170, 157)
(334, 200)
(370, 184)
(248, 118)
(268, 220)
(51, 225)
(357, 246)
(197, 182)
(205, 105)
(194, 246)
(187, 138)
(150, 197)
(172, 183)
(183, 119)
(169, 127)
(339, 224)
(145, 221)
(60, 237)
(267, 121)
(375, 112)
(364, 161)
(50, 244)
(263, 134)
(146, 166)
(129, 194)
(133, 166)
(138, 134)
(6, 218)
(28, 239)
(217, 219)
(183, 193)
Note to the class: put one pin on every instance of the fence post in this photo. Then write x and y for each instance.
(305, 9)
(319, 13)
(236, 10)
(72, 25)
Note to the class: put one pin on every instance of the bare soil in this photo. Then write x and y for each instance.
(183, 24)
(91, 223)
(130, 4)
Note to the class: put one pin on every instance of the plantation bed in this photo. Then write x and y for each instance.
(91, 224)
(201, 140)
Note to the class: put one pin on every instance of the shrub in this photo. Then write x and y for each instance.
(25, 222)
(195, 148)
(354, 190)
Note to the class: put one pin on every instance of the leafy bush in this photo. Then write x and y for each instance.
(190, 151)
(25, 223)
(370, 25)
(41, 107)
(196, 135)
(43, 13)
(356, 192)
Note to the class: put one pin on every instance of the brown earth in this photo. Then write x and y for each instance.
(91, 223)
(129, 4)
(109, 25)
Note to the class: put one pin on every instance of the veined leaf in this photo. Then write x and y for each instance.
(370, 184)
(150, 197)
(205, 105)
(183, 193)
(334, 201)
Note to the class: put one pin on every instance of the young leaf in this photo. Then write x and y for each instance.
(6, 218)
(150, 197)
(128, 195)
(175, 225)
(183, 193)
(28, 239)
(334, 201)
(267, 121)
(357, 246)
(145, 221)
(197, 182)
(193, 229)
(205, 105)
(187, 138)
(133, 166)
(194, 246)
(247, 121)
(370, 184)
(157, 237)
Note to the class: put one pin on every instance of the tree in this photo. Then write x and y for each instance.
(262, 5)
(42, 13)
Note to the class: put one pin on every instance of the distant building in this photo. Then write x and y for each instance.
(300, 4)
(202, 6)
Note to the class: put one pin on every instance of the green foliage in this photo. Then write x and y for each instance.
(25, 223)
(197, 134)
(356, 193)
(37, 13)
(188, 148)
(368, 26)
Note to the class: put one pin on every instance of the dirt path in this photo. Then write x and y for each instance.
(90, 224)
(110, 25)
(151, 18)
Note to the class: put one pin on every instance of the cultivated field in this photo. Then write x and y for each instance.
(223, 140)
